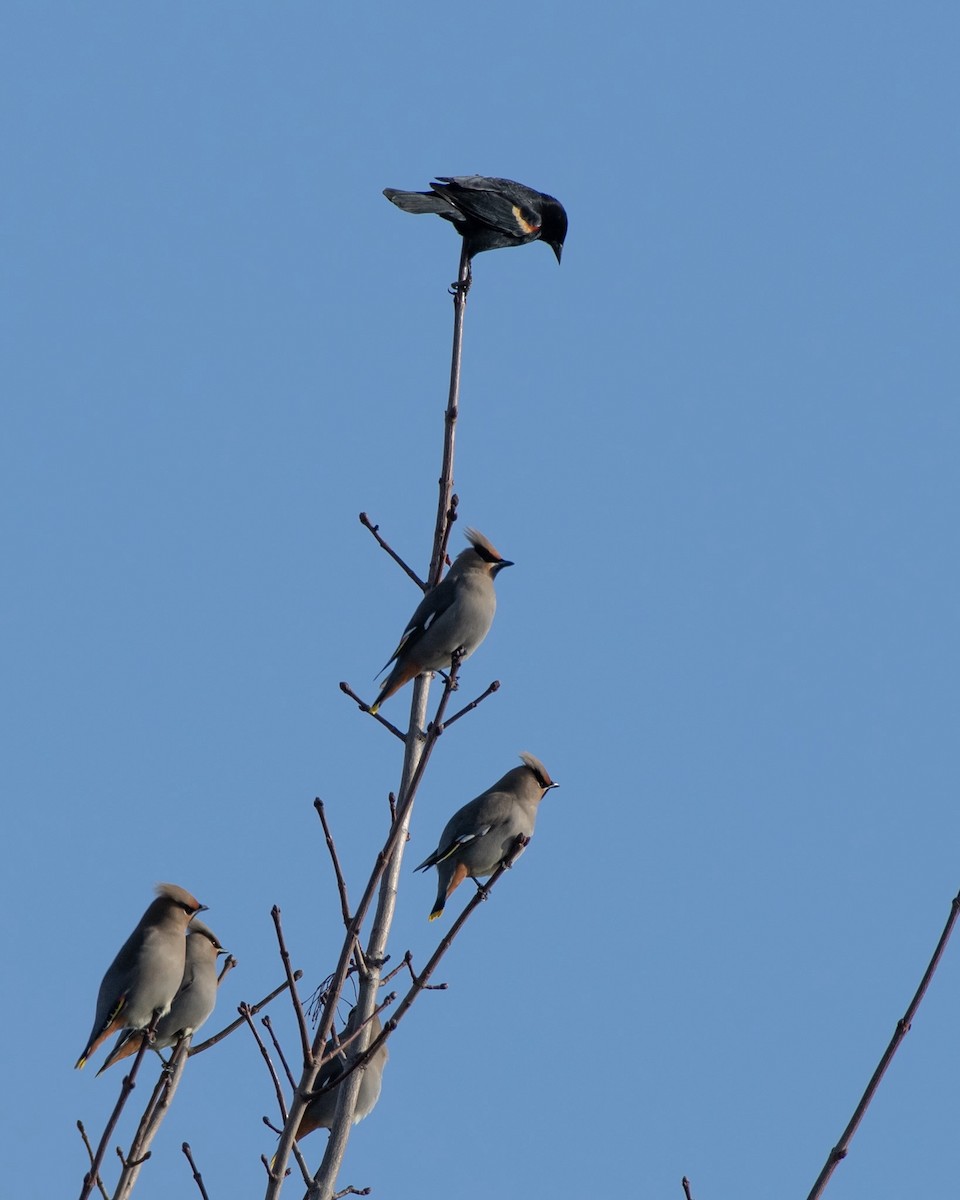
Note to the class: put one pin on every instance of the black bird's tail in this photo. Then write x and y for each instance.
(420, 202)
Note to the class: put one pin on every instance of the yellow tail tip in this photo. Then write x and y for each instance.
(433, 916)
(373, 709)
(78, 1065)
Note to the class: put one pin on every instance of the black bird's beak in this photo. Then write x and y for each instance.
(557, 248)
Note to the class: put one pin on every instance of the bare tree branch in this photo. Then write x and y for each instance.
(234, 1025)
(331, 846)
(375, 530)
(268, 1026)
(364, 707)
(494, 687)
(685, 1183)
(228, 964)
(839, 1151)
(407, 965)
(287, 966)
(446, 501)
(198, 1178)
(86, 1141)
(247, 1018)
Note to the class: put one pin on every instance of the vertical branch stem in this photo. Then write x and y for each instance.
(326, 1177)
(441, 530)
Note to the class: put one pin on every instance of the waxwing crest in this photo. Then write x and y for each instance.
(484, 547)
(197, 926)
(537, 767)
(179, 896)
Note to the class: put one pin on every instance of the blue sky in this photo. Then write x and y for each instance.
(720, 443)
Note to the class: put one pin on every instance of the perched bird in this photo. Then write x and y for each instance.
(479, 836)
(489, 214)
(320, 1111)
(456, 614)
(142, 980)
(193, 1002)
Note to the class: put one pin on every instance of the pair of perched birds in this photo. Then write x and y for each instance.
(166, 971)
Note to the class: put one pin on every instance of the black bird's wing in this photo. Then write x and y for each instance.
(499, 203)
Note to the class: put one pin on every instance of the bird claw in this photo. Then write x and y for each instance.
(483, 892)
(460, 287)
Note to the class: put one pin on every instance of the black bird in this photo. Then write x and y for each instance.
(489, 214)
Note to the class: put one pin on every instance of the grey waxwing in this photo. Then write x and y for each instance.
(142, 980)
(192, 1004)
(456, 614)
(320, 1111)
(479, 836)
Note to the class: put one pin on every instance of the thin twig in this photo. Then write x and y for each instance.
(234, 1025)
(127, 1162)
(494, 687)
(451, 683)
(685, 1184)
(404, 964)
(375, 530)
(839, 1151)
(294, 997)
(246, 1016)
(129, 1083)
(268, 1026)
(350, 1190)
(365, 707)
(86, 1142)
(446, 502)
(341, 882)
(198, 1178)
(228, 964)
(451, 517)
